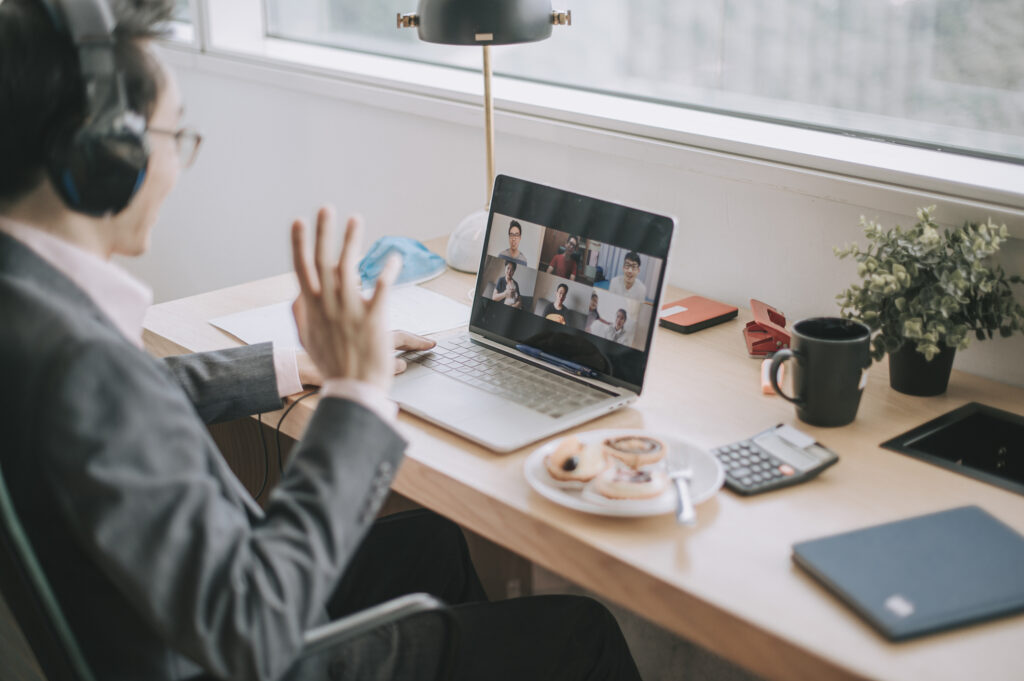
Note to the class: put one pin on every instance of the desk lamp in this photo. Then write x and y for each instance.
(486, 23)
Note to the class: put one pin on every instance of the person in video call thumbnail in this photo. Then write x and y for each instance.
(507, 288)
(515, 235)
(627, 284)
(594, 316)
(618, 332)
(556, 311)
(564, 264)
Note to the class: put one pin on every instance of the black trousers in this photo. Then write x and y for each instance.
(538, 638)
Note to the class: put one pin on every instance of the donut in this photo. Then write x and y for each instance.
(618, 482)
(574, 461)
(635, 450)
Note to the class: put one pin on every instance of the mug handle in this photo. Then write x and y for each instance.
(773, 373)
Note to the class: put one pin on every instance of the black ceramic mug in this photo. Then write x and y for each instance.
(831, 356)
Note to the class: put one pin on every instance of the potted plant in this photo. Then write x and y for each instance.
(924, 291)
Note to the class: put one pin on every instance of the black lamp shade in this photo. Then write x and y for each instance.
(484, 22)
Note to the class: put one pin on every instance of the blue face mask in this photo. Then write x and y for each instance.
(418, 263)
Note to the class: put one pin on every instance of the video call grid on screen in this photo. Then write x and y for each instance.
(560, 273)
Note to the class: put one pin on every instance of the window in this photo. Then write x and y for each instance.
(182, 11)
(180, 27)
(934, 73)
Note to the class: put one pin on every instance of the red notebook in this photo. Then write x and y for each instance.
(695, 313)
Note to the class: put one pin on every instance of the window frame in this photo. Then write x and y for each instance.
(233, 34)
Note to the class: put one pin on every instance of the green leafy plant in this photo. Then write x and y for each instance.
(930, 287)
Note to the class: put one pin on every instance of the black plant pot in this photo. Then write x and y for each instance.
(911, 373)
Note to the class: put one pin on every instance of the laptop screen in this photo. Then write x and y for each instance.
(572, 276)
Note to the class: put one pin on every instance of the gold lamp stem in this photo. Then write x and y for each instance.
(488, 124)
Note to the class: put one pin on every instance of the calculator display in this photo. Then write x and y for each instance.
(779, 448)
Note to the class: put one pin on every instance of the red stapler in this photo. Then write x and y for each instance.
(765, 334)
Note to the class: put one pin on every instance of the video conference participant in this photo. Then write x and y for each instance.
(618, 332)
(515, 235)
(556, 311)
(507, 289)
(159, 559)
(594, 317)
(564, 264)
(628, 284)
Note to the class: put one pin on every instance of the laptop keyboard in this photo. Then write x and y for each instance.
(533, 387)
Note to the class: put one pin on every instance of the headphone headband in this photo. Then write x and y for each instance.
(86, 22)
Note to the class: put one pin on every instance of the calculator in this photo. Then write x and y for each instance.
(778, 457)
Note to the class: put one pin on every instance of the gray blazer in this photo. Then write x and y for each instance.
(159, 557)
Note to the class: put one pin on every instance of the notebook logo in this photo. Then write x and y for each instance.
(899, 606)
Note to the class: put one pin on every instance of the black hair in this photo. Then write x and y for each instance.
(515, 224)
(561, 286)
(632, 256)
(624, 315)
(42, 95)
(513, 263)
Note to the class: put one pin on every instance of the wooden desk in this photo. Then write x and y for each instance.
(729, 583)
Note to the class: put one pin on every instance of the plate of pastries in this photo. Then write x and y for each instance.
(618, 472)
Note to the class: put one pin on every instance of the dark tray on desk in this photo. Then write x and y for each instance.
(976, 440)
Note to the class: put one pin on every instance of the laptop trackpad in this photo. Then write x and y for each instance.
(437, 396)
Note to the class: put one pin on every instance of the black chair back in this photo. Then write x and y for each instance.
(32, 602)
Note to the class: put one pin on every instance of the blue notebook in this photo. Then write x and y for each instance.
(923, 574)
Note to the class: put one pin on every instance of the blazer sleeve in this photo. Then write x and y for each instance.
(228, 384)
(135, 476)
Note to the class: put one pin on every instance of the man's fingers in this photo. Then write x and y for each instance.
(299, 258)
(400, 365)
(348, 263)
(299, 312)
(388, 274)
(410, 341)
(324, 227)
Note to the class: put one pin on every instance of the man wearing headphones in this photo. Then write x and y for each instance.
(162, 563)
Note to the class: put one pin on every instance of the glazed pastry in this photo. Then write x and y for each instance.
(635, 450)
(574, 461)
(617, 482)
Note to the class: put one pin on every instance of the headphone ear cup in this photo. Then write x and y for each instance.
(98, 174)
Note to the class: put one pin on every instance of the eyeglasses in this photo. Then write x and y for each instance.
(630, 266)
(513, 235)
(187, 141)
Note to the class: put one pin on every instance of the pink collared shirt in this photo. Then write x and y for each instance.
(124, 300)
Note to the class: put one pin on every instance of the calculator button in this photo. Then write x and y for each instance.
(746, 481)
(740, 472)
(757, 477)
(786, 469)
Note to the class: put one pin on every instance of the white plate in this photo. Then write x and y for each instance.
(708, 476)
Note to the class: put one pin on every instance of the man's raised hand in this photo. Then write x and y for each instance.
(345, 335)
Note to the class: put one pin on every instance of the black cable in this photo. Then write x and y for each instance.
(277, 434)
(266, 458)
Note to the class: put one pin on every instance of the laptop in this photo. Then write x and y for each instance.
(923, 574)
(563, 315)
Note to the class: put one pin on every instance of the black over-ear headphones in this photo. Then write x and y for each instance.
(98, 166)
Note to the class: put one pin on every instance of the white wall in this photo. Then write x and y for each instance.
(278, 144)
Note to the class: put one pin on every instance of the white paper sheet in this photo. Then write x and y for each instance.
(410, 308)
